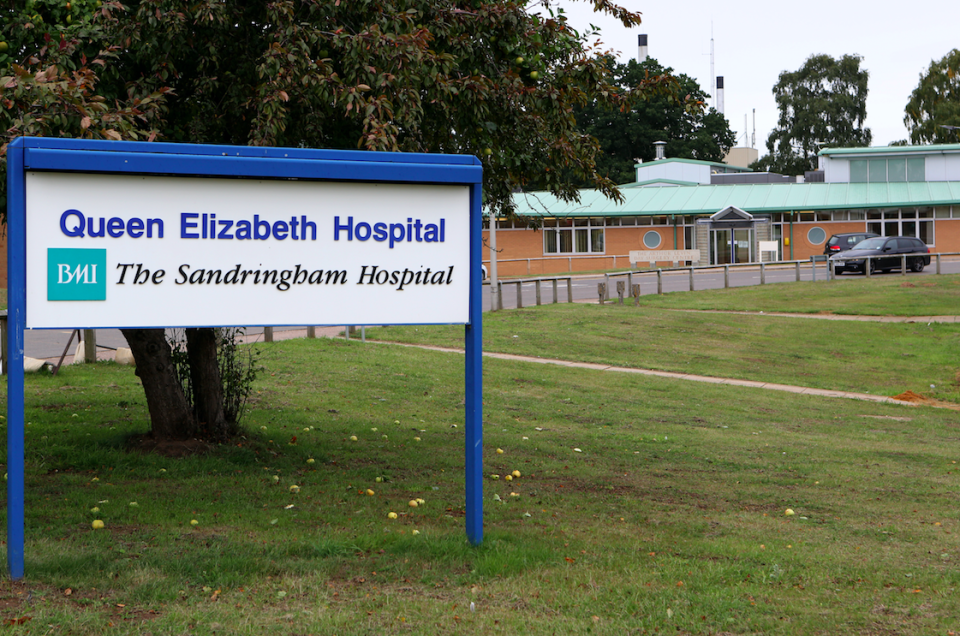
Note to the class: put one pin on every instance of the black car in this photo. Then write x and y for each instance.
(888, 249)
(843, 242)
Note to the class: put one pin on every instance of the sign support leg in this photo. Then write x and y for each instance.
(17, 302)
(473, 346)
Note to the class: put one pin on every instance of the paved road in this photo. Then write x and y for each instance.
(585, 287)
(50, 344)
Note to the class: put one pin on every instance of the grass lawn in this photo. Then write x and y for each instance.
(644, 505)
(864, 357)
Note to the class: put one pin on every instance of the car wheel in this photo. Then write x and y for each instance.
(917, 265)
(873, 267)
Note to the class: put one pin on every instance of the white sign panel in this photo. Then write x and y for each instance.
(153, 251)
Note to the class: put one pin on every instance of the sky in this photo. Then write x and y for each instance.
(756, 40)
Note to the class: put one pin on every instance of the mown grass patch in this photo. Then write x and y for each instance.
(669, 518)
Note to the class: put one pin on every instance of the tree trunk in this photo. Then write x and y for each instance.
(170, 415)
(205, 380)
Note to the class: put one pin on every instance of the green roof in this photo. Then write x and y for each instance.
(752, 198)
(891, 150)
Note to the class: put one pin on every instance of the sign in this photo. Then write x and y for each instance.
(147, 251)
(128, 234)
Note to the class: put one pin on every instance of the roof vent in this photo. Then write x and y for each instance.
(659, 148)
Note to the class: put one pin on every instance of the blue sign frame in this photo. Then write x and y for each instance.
(119, 157)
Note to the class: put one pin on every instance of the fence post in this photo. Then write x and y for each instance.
(797, 263)
(620, 289)
(537, 285)
(938, 264)
(268, 334)
(636, 295)
(660, 282)
(866, 266)
(763, 273)
(555, 299)
(500, 295)
(519, 295)
(903, 264)
(813, 266)
(569, 289)
(691, 279)
(606, 286)
(528, 267)
(602, 291)
(726, 276)
(630, 280)
(311, 332)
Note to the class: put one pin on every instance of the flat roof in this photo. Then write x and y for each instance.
(892, 150)
(753, 198)
(696, 162)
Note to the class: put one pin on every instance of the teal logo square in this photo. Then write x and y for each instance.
(76, 274)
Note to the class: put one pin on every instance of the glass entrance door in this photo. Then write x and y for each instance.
(720, 250)
(731, 246)
(743, 246)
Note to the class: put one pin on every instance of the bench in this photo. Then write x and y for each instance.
(654, 256)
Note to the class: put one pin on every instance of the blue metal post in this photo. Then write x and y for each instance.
(474, 379)
(16, 305)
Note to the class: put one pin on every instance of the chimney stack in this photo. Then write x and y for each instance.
(641, 48)
(659, 149)
(720, 94)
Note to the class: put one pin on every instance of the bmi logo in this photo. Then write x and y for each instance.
(76, 274)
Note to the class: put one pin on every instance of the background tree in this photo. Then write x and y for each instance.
(483, 77)
(935, 102)
(822, 104)
(627, 134)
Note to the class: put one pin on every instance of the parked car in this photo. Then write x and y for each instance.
(889, 249)
(843, 242)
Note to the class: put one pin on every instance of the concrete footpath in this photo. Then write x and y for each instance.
(334, 332)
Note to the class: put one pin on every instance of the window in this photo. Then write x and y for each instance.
(892, 170)
(573, 236)
(816, 235)
(651, 240)
(858, 171)
(896, 170)
(916, 169)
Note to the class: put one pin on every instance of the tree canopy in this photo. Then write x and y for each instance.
(822, 104)
(482, 77)
(626, 134)
(935, 103)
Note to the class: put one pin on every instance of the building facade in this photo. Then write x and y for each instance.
(675, 203)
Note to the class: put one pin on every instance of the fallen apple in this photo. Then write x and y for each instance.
(194, 522)
(391, 515)
(97, 524)
(413, 503)
(370, 492)
(516, 474)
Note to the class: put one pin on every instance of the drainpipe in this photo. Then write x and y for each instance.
(673, 219)
(791, 236)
